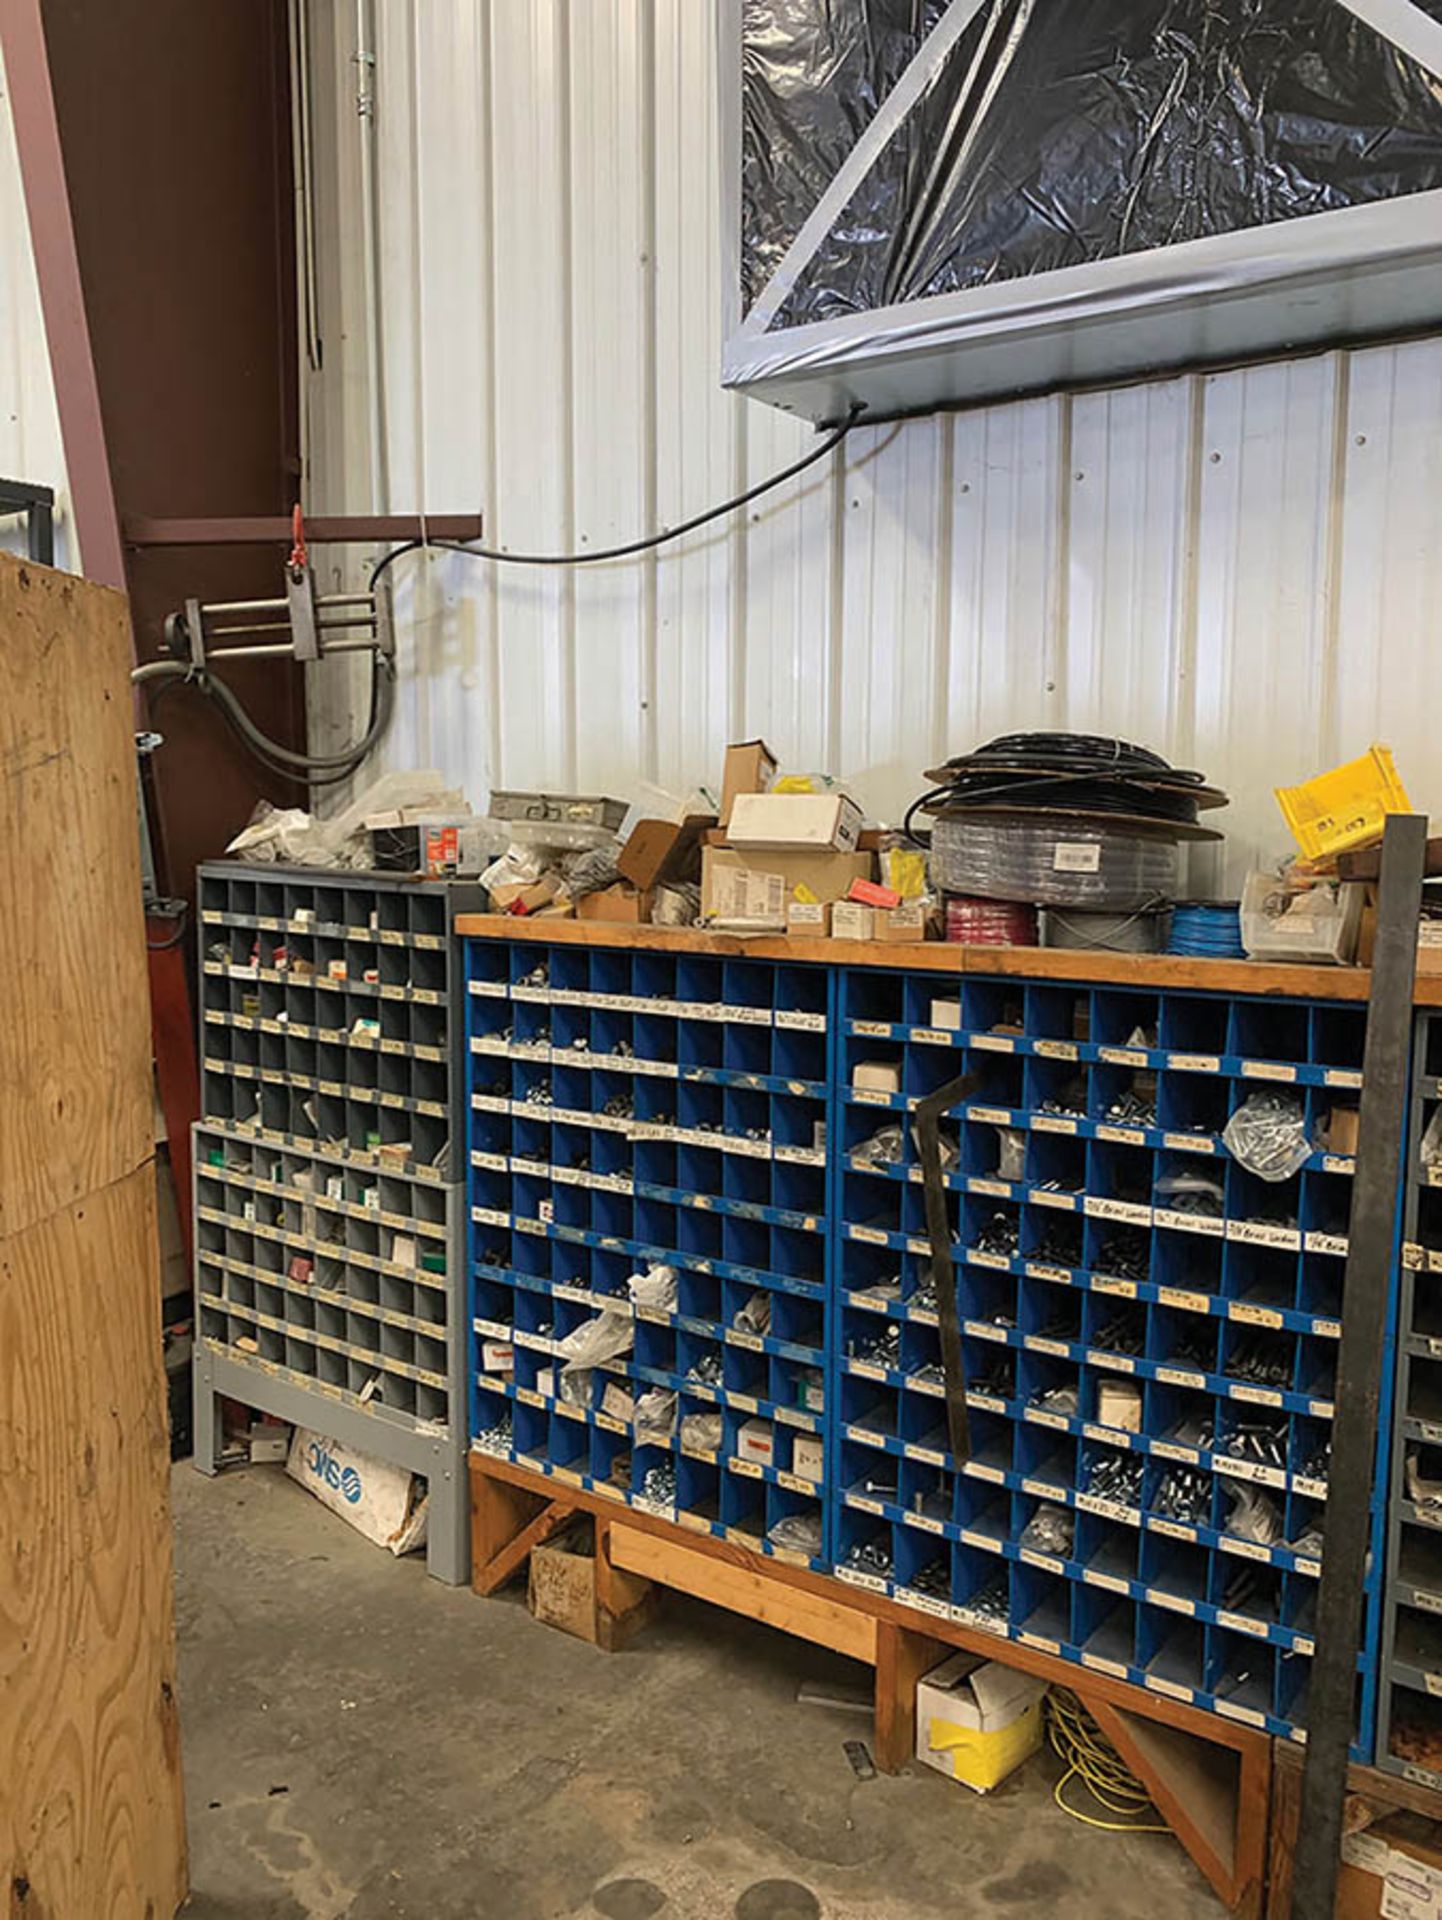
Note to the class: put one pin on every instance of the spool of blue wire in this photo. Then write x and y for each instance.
(1207, 930)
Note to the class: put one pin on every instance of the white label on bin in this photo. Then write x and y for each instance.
(1267, 1070)
(1077, 856)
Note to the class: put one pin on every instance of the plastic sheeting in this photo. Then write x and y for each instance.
(1052, 136)
(813, 75)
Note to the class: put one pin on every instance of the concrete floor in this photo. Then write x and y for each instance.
(361, 1742)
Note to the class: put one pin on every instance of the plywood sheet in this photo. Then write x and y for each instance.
(75, 1103)
(91, 1817)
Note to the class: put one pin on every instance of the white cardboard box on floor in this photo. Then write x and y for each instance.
(381, 1501)
(976, 1720)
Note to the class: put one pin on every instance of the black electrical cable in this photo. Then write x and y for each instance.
(649, 541)
(324, 770)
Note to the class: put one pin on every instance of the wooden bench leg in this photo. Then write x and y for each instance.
(902, 1657)
(506, 1522)
(624, 1601)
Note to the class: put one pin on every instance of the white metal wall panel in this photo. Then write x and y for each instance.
(30, 445)
(1241, 569)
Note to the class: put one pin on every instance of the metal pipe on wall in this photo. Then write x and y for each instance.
(365, 59)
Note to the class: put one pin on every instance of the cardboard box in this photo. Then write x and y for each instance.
(562, 1588)
(1429, 947)
(852, 921)
(526, 899)
(1392, 1868)
(756, 1441)
(1342, 1132)
(876, 1076)
(976, 1720)
(752, 890)
(808, 917)
(1119, 1404)
(946, 1014)
(381, 1501)
(619, 903)
(806, 1456)
(828, 822)
(658, 851)
(749, 767)
(904, 925)
(872, 894)
(269, 1442)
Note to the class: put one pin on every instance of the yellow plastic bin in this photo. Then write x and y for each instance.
(1344, 808)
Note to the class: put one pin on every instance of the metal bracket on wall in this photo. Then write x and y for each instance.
(38, 506)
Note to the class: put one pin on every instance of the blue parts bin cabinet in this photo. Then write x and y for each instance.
(329, 1181)
(1150, 1331)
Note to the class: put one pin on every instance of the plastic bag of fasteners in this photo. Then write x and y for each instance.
(1051, 1529)
(1268, 1135)
(1252, 1516)
(1191, 1193)
(655, 1417)
(884, 1149)
(1010, 1153)
(595, 1341)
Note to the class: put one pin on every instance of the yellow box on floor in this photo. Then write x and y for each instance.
(976, 1720)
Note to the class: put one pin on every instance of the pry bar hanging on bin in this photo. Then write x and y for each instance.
(943, 1274)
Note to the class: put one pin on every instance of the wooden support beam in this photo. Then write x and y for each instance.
(624, 1601)
(902, 1657)
(1197, 1789)
(731, 1584)
(499, 1511)
(637, 1553)
(512, 1557)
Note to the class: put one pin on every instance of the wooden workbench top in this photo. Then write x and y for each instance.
(943, 957)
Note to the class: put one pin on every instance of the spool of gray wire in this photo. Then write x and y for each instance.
(1052, 861)
(1141, 931)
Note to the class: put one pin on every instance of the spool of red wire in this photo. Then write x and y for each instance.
(989, 923)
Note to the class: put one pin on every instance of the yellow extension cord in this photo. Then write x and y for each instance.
(1091, 1758)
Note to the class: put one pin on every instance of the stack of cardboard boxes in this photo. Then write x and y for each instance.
(781, 854)
(795, 858)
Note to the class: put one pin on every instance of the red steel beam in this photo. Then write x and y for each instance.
(142, 530)
(57, 266)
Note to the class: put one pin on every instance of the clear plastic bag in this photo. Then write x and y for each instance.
(701, 1432)
(1011, 1153)
(884, 1149)
(1191, 1193)
(1253, 1514)
(656, 1287)
(798, 1533)
(755, 1316)
(1051, 1529)
(1268, 1135)
(606, 1337)
(655, 1418)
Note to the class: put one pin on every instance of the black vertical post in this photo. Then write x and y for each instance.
(1371, 1245)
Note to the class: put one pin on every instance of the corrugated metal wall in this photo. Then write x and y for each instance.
(1242, 569)
(30, 446)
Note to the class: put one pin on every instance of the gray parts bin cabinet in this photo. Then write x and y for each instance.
(329, 1245)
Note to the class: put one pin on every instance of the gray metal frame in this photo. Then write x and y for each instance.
(1349, 273)
(219, 1369)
